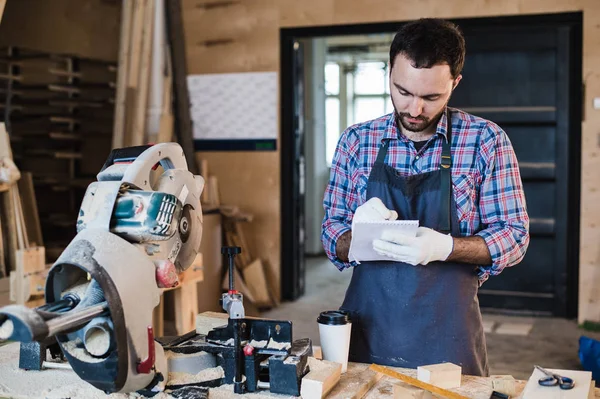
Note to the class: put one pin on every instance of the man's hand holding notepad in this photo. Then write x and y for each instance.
(371, 219)
(365, 232)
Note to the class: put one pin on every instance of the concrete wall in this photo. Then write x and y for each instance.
(252, 32)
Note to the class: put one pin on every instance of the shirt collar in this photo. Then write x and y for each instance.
(393, 133)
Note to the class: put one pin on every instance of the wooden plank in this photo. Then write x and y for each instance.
(254, 277)
(405, 391)
(30, 209)
(165, 130)
(121, 92)
(135, 49)
(31, 260)
(10, 230)
(414, 382)
(355, 386)
(2, 4)
(139, 125)
(206, 321)
(186, 307)
(158, 319)
(3, 270)
(4, 291)
(321, 378)
(5, 149)
(181, 101)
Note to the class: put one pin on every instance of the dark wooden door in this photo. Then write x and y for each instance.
(527, 79)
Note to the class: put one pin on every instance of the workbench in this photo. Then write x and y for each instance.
(53, 383)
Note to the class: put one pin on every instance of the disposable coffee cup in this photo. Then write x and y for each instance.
(334, 331)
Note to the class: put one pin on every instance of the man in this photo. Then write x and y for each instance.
(454, 172)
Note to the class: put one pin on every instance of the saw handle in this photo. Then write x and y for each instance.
(124, 155)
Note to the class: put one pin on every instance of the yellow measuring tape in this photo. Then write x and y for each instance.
(417, 383)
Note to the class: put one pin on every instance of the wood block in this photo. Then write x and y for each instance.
(206, 321)
(504, 384)
(321, 378)
(5, 291)
(30, 209)
(254, 277)
(582, 379)
(31, 260)
(213, 191)
(355, 385)
(405, 391)
(317, 352)
(443, 375)
(23, 287)
(5, 150)
(186, 307)
(158, 319)
(592, 395)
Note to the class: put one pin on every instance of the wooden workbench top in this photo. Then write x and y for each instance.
(52, 383)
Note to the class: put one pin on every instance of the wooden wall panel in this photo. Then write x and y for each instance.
(259, 51)
(88, 28)
(251, 181)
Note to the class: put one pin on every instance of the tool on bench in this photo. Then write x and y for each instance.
(417, 383)
(553, 379)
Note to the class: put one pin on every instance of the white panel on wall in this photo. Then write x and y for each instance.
(234, 105)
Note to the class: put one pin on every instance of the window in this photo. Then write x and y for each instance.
(371, 91)
(332, 109)
(356, 92)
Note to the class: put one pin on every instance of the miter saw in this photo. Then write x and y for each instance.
(139, 226)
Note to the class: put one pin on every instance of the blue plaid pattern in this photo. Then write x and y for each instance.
(486, 182)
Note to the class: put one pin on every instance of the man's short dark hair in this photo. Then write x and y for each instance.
(428, 42)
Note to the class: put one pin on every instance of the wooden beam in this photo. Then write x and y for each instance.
(2, 4)
(30, 209)
(122, 74)
(181, 101)
(320, 380)
(138, 135)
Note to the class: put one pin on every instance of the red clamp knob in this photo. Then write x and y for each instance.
(248, 350)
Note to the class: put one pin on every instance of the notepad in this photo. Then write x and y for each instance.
(363, 234)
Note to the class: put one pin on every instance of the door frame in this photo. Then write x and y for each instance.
(290, 279)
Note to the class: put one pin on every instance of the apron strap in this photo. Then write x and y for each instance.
(446, 178)
(381, 154)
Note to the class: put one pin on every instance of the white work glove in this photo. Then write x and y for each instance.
(427, 246)
(373, 210)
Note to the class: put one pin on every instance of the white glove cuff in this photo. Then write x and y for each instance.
(445, 248)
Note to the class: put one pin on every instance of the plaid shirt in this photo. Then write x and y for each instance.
(486, 181)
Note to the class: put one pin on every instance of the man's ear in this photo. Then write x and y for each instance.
(456, 81)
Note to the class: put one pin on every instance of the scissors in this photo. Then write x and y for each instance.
(555, 379)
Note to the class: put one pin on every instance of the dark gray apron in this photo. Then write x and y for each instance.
(409, 316)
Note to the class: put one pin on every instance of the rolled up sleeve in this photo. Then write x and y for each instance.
(340, 199)
(502, 205)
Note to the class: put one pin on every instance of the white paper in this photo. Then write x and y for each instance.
(363, 234)
(234, 105)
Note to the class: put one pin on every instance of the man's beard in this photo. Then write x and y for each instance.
(417, 127)
(421, 126)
